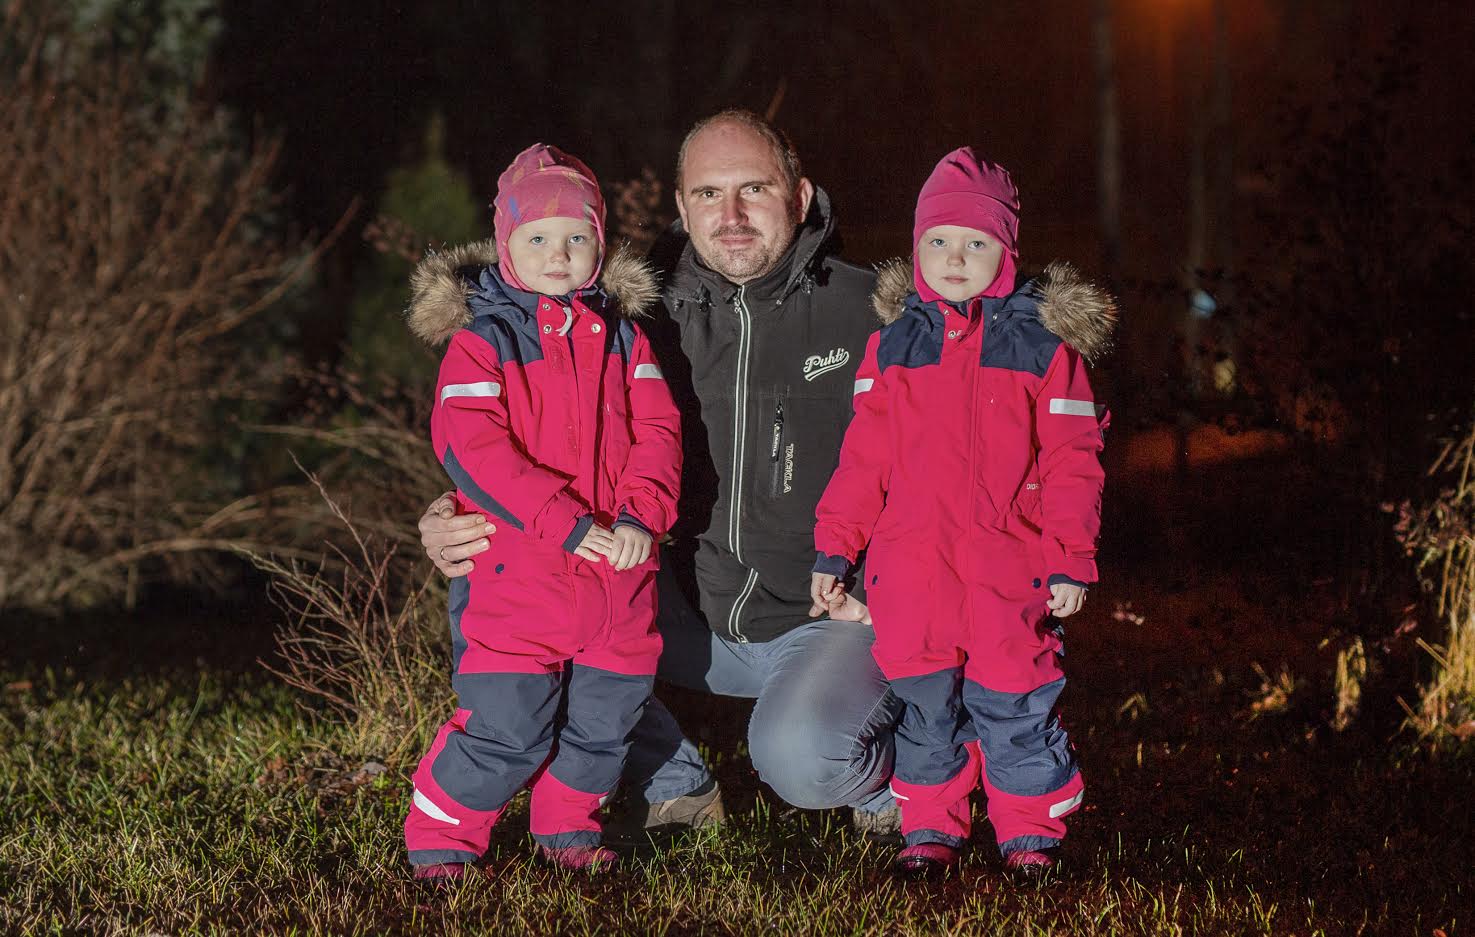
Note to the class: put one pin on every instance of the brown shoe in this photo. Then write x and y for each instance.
(697, 810)
(880, 826)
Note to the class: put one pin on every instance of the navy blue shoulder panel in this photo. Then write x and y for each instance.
(621, 336)
(1016, 339)
(912, 341)
(500, 319)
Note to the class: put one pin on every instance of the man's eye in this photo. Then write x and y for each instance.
(755, 189)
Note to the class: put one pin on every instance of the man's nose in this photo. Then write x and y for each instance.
(733, 212)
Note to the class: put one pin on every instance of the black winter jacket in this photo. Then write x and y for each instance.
(764, 375)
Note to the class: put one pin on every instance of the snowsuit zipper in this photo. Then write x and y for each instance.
(776, 451)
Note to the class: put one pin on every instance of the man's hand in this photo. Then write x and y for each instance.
(1065, 599)
(598, 542)
(451, 539)
(851, 609)
(826, 593)
(631, 547)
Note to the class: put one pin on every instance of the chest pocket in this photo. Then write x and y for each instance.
(800, 444)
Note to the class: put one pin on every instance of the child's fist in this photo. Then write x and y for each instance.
(826, 593)
(631, 547)
(1066, 598)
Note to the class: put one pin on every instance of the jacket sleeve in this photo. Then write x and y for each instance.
(470, 429)
(650, 483)
(1069, 433)
(852, 502)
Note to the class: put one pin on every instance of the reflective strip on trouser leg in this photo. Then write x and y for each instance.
(603, 708)
(934, 772)
(480, 758)
(1029, 770)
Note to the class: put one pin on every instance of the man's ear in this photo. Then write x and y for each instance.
(681, 209)
(803, 195)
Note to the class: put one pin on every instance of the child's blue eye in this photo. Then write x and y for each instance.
(536, 239)
(976, 245)
(937, 242)
(577, 239)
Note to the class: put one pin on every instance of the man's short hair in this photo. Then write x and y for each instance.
(777, 140)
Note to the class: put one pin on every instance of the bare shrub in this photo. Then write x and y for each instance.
(366, 638)
(1441, 537)
(134, 247)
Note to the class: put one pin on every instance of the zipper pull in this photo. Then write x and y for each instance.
(778, 431)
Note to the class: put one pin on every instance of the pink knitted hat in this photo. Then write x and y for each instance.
(970, 192)
(545, 182)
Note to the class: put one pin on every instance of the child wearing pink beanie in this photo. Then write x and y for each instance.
(551, 415)
(970, 478)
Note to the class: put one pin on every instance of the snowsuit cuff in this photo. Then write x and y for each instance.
(831, 565)
(1058, 578)
(576, 536)
(626, 519)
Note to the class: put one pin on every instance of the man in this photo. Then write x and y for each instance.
(762, 332)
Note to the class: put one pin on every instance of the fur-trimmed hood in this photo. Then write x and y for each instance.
(1080, 312)
(444, 282)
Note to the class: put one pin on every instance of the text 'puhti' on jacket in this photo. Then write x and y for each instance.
(762, 373)
(975, 431)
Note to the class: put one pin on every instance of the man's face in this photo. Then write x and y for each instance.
(734, 203)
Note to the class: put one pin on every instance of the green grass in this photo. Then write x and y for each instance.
(209, 805)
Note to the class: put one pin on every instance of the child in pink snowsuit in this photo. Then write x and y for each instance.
(970, 470)
(551, 415)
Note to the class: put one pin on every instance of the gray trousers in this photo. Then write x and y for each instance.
(822, 731)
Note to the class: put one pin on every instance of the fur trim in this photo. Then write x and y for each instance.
(893, 285)
(438, 289)
(1072, 307)
(1079, 311)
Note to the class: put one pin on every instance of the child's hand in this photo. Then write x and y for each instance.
(851, 609)
(826, 593)
(1065, 599)
(631, 547)
(598, 542)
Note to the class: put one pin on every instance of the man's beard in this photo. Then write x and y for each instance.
(751, 262)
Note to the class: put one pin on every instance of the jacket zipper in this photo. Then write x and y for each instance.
(776, 450)
(739, 446)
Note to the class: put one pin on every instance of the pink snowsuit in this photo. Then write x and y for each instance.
(551, 414)
(971, 471)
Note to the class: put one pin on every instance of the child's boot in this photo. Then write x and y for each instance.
(439, 873)
(1031, 865)
(925, 861)
(592, 859)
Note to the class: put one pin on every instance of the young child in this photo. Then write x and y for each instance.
(970, 468)
(550, 414)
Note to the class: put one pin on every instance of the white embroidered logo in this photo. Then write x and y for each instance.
(815, 365)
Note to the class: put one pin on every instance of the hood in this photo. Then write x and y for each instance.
(689, 278)
(1072, 307)
(444, 281)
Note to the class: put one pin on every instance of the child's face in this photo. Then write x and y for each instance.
(957, 262)
(554, 256)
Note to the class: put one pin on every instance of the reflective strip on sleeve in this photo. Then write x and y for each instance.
(1067, 407)
(1066, 806)
(479, 389)
(647, 370)
(864, 384)
(431, 810)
